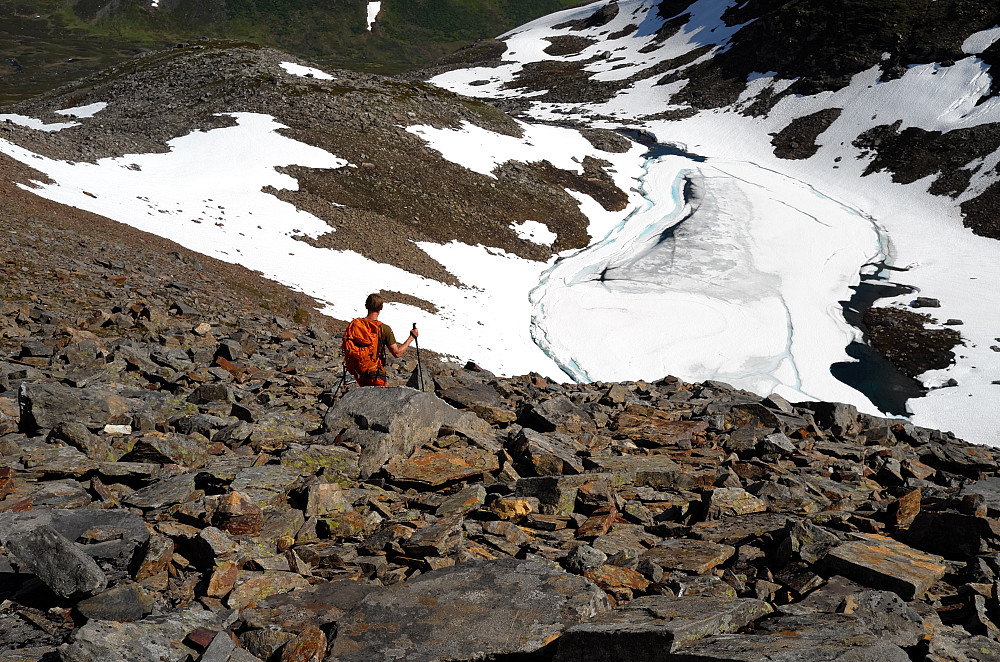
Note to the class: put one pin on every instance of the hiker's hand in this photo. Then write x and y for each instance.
(414, 332)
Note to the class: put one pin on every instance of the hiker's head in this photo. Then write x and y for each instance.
(374, 303)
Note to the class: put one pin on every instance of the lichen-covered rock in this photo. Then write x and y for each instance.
(394, 421)
(57, 561)
(469, 611)
(152, 639)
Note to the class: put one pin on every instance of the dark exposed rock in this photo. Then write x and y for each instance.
(649, 626)
(60, 563)
(506, 607)
(391, 422)
(47, 405)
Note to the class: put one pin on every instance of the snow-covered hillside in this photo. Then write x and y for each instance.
(635, 69)
(724, 258)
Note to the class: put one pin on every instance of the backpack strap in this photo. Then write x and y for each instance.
(380, 352)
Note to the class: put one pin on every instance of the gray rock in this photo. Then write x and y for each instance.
(152, 639)
(582, 558)
(213, 392)
(468, 611)
(393, 421)
(559, 413)
(547, 454)
(953, 644)
(831, 646)
(840, 418)
(108, 535)
(47, 405)
(317, 605)
(166, 492)
(58, 562)
(884, 614)
(266, 485)
(129, 602)
(220, 649)
(898, 625)
(648, 627)
(777, 443)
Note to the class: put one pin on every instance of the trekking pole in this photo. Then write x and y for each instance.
(343, 382)
(420, 368)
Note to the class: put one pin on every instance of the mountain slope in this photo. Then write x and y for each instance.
(52, 41)
(325, 182)
(742, 243)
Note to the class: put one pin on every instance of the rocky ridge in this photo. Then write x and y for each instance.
(184, 479)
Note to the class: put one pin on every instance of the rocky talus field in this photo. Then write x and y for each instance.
(182, 479)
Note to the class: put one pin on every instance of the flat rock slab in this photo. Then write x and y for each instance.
(740, 528)
(111, 534)
(334, 461)
(317, 605)
(835, 647)
(887, 564)
(266, 485)
(466, 612)
(698, 556)
(435, 468)
(651, 625)
(46, 405)
(166, 492)
(627, 467)
(153, 639)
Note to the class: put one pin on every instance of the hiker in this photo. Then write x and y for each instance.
(365, 342)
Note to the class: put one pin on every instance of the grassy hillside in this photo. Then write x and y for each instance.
(48, 42)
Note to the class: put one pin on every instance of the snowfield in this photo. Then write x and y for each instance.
(922, 233)
(728, 264)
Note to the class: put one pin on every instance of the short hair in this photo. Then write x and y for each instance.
(374, 303)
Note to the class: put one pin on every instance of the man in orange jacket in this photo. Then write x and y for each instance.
(365, 342)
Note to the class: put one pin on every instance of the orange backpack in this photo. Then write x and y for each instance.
(362, 348)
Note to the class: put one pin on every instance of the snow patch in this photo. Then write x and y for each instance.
(373, 9)
(305, 72)
(534, 232)
(980, 41)
(33, 123)
(84, 112)
(925, 233)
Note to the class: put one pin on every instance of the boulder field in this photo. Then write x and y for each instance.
(183, 486)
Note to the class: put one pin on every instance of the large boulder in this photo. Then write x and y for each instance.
(152, 639)
(57, 561)
(466, 612)
(109, 536)
(394, 421)
(44, 406)
(652, 625)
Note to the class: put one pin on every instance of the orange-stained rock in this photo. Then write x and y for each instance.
(222, 580)
(513, 508)
(598, 524)
(238, 515)
(308, 646)
(620, 582)
(159, 551)
(438, 467)
(884, 563)
(698, 556)
(906, 508)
